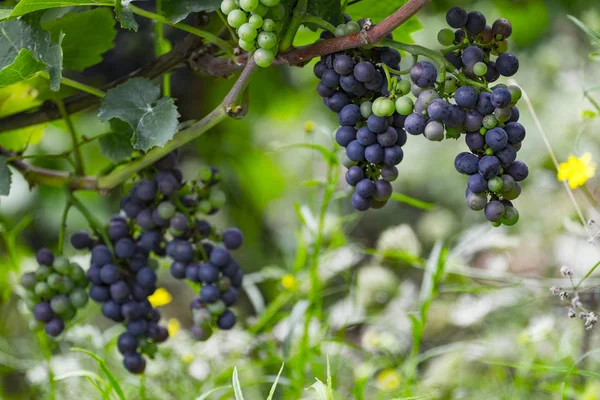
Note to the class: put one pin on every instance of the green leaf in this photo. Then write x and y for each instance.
(5, 177)
(87, 36)
(21, 68)
(176, 10)
(17, 140)
(117, 145)
(329, 156)
(272, 391)
(5, 13)
(329, 10)
(402, 198)
(595, 36)
(153, 120)
(125, 15)
(27, 34)
(111, 379)
(28, 6)
(379, 10)
(204, 396)
(237, 389)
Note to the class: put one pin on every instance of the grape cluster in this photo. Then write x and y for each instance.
(122, 276)
(456, 101)
(371, 132)
(257, 23)
(54, 291)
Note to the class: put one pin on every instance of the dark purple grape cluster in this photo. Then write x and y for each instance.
(54, 291)
(122, 276)
(373, 140)
(169, 214)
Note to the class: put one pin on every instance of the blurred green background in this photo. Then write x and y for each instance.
(494, 331)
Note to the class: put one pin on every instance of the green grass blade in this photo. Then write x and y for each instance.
(329, 381)
(237, 389)
(272, 391)
(594, 35)
(320, 389)
(590, 272)
(92, 377)
(411, 201)
(111, 379)
(214, 390)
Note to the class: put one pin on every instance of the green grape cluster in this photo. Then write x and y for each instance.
(257, 24)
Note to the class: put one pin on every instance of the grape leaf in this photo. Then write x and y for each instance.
(26, 33)
(329, 10)
(380, 10)
(5, 177)
(137, 102)
(116, 146)
(5, 13)
(125, 15)
(28, 6)
(176, 10)
(87, 36)
(21, 68)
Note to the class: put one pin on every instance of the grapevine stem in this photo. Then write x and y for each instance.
(159, 31)
(63, 226)
(71, 128)
(297, 17)
(227, 26)
(77, 85)
(94, 223)
(318, 21)
(209, 37)
(386, 69)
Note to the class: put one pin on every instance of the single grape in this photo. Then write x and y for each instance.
(352, 27)
(344, 135)
(247, 46)
(475, 22)
(476, 201)
(263, 58)
(256, 21)
(480, 69)
(473, 121)
(228, 6)
(364, 71)
(360, 203)
(354, 175)
(496, 139)
(393, 155)
(374, 153)
(511, 216)
(477, 183)
(506, 155)
(404, 105)
(438, 110)
(445, 37)
(466, 97)
(267, 40)
(355, 151)
(489, 166)
(507, 64)
(389, 173)
(472, 55)
(365, 136)
(341, 30)
(415, 124)
(502, 28)
(466, 163)
(423, 74)
(456, 17)
(269, 25)
(494, 211)
(434, 131)
(366, 109)
(248, 5)
(503, 114)
(518, 170)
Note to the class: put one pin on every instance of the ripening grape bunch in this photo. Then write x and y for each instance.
(377, 108)
(371, 132)
(257, 24)
(54, 291)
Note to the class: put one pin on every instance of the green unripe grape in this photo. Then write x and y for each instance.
(452, 133)
(404, 105)
(256, 21)
(204, 207)
(383, 107)
(352, 27)
(78, 297)
(480, 69)
(261, 10)
(278, 26)
(502, 48)
(216, 197)
(446, 37)
(276, 12)
(346, 162)
(224, 284)
(30, 304)
(515, 93)
(366, 109)
(204, 333)
(60, 303)
(54, 281)
(268, 25)
(28, 280)
(61, 264)
(489, 152)
(236, 18)
(511, 216)
(43, 290)
(228, 6)
(249, 5)
(77, 273)
(247, 32)
(495, 184)
(66, 285)
(513, 193)
(201, 317)
(502, 114)
(30, 295)
(267, 40)
(68, 314)
(403, 87)
(483, 130)
(263, 57)
(149, 349)
(508, 183)
(153, 264)
(450, 85)
(166, 210)
(217, 308)
(340, 30)
(42, 273)
(496, 224)
(205, 173)
(270, 3)
(489, 121)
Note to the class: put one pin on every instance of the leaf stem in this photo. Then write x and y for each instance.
(92, 221)
(80, 169)
(298, 16)
(209, 37)
(77, 85)
(63, 225)
(320, 22)
(227, 26)
(159, 42)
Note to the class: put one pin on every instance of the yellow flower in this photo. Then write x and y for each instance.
(173, 326)
(289, 282)
(577, 170)
(187, 358)
(160, 297)
(389, 379)
(309, 126)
